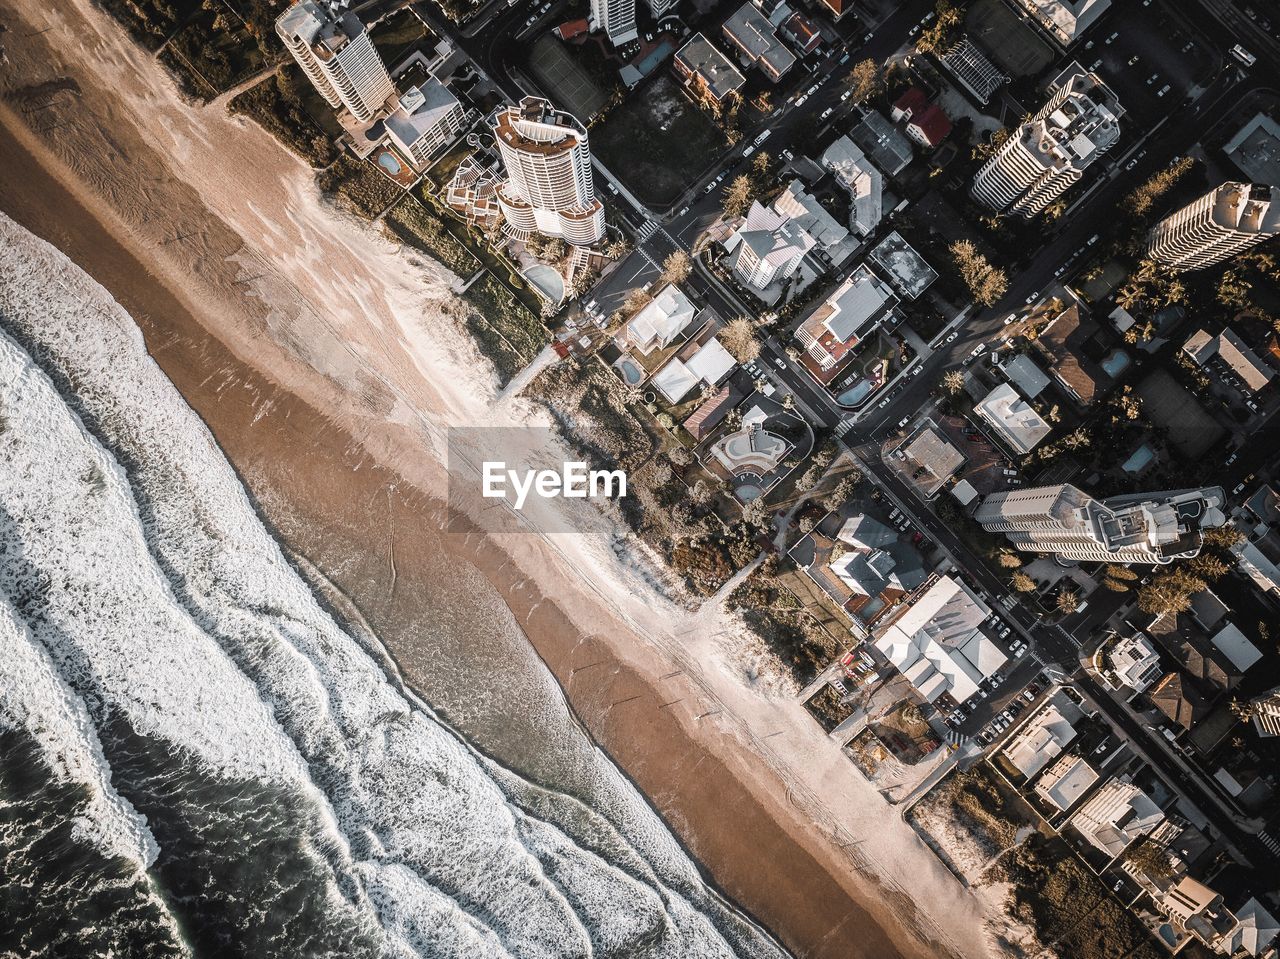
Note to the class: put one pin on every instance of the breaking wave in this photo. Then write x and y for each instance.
(198, 757)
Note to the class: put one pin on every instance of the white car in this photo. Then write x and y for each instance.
(952, 336)
(1033, 297)
(827, 112)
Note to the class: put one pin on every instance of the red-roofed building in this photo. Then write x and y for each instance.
(573, 28)
(837, 8)
(802, 34)
(924, 121)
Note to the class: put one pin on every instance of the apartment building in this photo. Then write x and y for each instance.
(617, 18)
(1071, 524)
(336, 54)
(549, 187)
(426, 118)
(1227, 220)
(1050, 152)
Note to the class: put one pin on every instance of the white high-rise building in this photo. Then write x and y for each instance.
(1225, 221)
(617, 18)
(335, 52)
(549, 186)
(1051, 151)
(1141, 528)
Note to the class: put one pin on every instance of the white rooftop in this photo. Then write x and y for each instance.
(935, 643)
(712, 363)
(1013, 419)
(1116, 815)
(1043, 736)
(1066, 781)
(859, 176)
(662, 319)
(674, 380)
(1025, 375)
(1236, 647)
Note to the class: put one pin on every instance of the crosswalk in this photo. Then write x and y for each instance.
(844, 426)
(649, 229)
(957, 738)
(1269, 842)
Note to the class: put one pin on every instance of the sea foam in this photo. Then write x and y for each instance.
(156, 593)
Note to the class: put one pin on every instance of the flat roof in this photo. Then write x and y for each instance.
(1255, 149)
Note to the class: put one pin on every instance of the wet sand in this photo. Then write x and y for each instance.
(377, 536)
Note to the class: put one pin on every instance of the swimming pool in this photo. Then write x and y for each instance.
(1116, 363)
(389, 163)
(631, 373)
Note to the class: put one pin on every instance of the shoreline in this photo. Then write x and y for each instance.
(302, 467)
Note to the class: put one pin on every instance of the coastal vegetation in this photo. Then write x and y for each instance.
(774, 614)
(276, 104)
(1067, 906)
(411, 223)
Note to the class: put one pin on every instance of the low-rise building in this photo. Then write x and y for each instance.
(927, 459)
(707, 71)
(472, 191)
(1252, 370)
(1265, 711)
(887, 147)
(853, 311)
(1022, 372)
(1117, 814)
(751, 33)
(1065, 782)
(707, 364)
(1132, 662)
(1236, 647)
(860, 179)
(804, 210)
(905, 268)
(1043, 735)
(1012, 419)
(935, 642)
(661, 320)
(924, 122)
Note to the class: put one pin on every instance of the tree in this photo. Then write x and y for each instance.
(617, 249)
(762, 165)
(675, 268)
(739, 338)
(680, 456)
(763, 102)
(1141, 201)
(843, 491)
(1150, 859)
(755, 514)
(700, 493)
(986, 283)
(1023, 583)
(864, 81)
(1170, 593)
(941, 34)
(953, 382)
(1068, 601)
(806, 524)
(635, 300)
(1221, 537)
(737, 196)
(1207, 566)
(1008, 559)
(1115, 571)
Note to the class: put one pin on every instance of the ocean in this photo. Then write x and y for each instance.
(196, 756)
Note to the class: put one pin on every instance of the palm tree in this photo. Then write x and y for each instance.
(953, 381)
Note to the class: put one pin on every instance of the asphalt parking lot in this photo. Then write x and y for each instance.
(1141, 50)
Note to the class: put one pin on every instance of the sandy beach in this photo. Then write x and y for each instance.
(327, 364)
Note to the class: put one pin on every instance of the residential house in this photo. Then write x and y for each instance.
(708, 364)
(1013, 421)
(888, 148)
(924, 122)
(1043, 735)
(1132, 662)
(928, 459)
(804, 210)
(707, 71)
(661, 320)
(905, 268)
(1065, 782)
(1117, 814)
(860, 179)
(751, 33)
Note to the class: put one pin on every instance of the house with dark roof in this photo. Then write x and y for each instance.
(750, 31)
(1181, 699)
(1069, 342)
(706, 70)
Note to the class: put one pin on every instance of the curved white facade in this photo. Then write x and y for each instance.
(1050, 152)
(548, 165)
(1225, 221)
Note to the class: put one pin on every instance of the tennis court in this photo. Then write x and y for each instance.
(1012, 43)
(569, 85)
